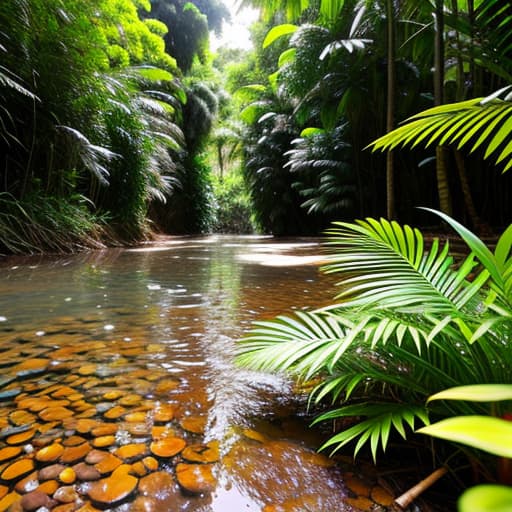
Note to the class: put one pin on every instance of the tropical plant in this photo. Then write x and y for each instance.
(320, 161)
(472, 124)
(188, 24)
(488, 433)
(232, 206)
(406, 324)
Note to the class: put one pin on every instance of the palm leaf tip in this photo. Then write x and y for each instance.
(381, 420)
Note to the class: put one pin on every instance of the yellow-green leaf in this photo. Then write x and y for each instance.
(486, 433)
(277, 32)
(486, 498)
(476, 393)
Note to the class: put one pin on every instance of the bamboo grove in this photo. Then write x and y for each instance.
(100, 136)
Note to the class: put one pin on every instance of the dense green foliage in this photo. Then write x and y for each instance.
(332, 74)
(95, 121)
(406, 324)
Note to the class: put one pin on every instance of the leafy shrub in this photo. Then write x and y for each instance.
(232, 207)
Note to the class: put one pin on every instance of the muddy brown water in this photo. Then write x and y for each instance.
(118, 389)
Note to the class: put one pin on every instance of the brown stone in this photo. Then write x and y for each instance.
(67, 476)
(361, 504)
(17, 469)
(20, 417)
(88, 369)
(131, 452)
(48, 487)
(27, 483)
(74, 454)
(9, 453)
(33, 404)
(357, 486)
(155, 483)
(66, 494)
(63, 391)
(95, 456)
(50, 453)
(104, 429)
(130, 400)
(163, 413)
(381, 496)
(88, 508)
(8, 500)
(135, 417)
(113, 489)
(55, 413)
(112, 395)
(165, 386)
(65, 507)
(31, 364)
(194, 424)
(74, 397)
(202, 453)
(196, 478)
(151, 463)
(103, 441)
(35, 499)
(50, 472)
(86, 472)
(115, 413)
(145, 504)
(108, 463)
(138, 429)
(90, 412)
(74, 441)
(21, 438)
(158, 432)
(139, 469)
(167, 447)
(45, 427)
(85, 425)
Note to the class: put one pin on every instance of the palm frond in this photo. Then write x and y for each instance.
(11, 81)
(477, 123)
(381, 420)
(402, 277)
(304, 344)
(92, 156)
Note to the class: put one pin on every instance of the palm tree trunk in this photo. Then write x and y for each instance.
(479, 226)
(443, 188)
(390, 121)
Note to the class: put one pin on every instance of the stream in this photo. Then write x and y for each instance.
(118, 389)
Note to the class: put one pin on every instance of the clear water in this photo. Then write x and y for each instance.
(137, 319)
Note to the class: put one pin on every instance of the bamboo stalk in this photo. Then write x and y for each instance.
(409, 496)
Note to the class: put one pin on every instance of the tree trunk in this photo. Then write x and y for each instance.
(479, 226)
(390, 118)
(443, 189)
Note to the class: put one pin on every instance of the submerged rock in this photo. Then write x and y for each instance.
(113, 489)
(196, 478)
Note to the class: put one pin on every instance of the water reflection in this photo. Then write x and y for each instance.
(128, 353)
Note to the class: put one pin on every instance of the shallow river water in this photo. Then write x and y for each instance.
(118, 389)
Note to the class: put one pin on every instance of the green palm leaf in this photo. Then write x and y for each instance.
(381, 420)
(304, 344)
(485, 122)
(387, 268)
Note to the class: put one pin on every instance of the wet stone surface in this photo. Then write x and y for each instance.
(118, 391)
